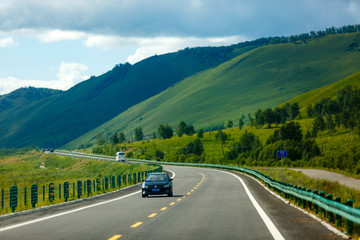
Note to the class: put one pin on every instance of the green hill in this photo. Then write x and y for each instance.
(54, 121)
(263, 77)
(24, 96)
(328, 91)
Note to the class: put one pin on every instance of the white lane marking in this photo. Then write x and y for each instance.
(173, 174)
(68, 212)
(269, 224)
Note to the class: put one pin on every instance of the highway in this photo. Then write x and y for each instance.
(207, 204)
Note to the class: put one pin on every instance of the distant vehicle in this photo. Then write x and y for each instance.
(156, 184)
(120, 157)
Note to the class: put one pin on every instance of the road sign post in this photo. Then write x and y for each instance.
(282, 154)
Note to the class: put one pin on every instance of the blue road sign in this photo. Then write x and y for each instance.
(281, 153)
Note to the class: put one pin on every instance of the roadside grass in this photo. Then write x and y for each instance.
(42, 169)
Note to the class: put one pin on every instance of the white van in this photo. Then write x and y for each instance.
(120, 157)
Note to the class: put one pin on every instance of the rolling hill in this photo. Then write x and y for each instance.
(328, 91)
(58, 119)
(263, 77)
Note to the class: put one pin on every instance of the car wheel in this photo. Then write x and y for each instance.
(144, 195)
(170, 194)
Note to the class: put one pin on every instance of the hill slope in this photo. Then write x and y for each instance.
(24, 96)
(328, 91)
(57, 120)
(264, 77)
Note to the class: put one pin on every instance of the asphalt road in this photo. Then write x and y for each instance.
(207, 204)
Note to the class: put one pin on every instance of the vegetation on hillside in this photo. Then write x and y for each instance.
(305, 140)
(262, 78)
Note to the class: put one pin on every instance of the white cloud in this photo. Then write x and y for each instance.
(160, 45)
(69, 74)
(354, 9)
(7, 42)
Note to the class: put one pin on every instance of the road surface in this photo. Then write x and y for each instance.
(207, 204)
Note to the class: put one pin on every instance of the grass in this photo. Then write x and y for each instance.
(36, 168)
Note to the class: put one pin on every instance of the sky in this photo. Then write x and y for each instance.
(59, 43)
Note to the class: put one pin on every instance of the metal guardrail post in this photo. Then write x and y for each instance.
(2, 198)
(349, 224)
(66, 191)
(51, 192)
(309, 203)
(338, 219)
(322, 210)
(118, 180)
(25, 196)
(13, 197)
(79, 188)
(330, 214)
(59, 190)
(304, 202)
(98, 184)
(34, 195)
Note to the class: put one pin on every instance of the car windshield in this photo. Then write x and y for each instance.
(156, 178)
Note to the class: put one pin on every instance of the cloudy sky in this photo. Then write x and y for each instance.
(59, 43)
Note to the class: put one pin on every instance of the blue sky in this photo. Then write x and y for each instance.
(59, 43)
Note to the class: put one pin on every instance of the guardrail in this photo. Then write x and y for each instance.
(328, 207)
(313, 200)
(25, 197)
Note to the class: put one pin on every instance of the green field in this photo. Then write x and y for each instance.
(38, 168)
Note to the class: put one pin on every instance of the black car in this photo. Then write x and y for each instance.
(156, 184)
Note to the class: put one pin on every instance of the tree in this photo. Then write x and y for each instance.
(241, 123)
(223, 137)
(295, 110)
(309, 110)
(291, 131)
(121, 137)
(195, 147)
(139, 135)
(165, 131)
(114, 139)
(181, 129)
(100, 139)
(330, 125)
(229, 124)
(200, 133)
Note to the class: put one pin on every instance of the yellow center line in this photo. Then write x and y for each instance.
(152, 215)
(115, 237)
(172, 203)
(179, 200)
(136, 224)
(191, 190)
(188, 193)
(164, 208)
(184, 196)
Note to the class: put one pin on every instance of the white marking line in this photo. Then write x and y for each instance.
(269, 224)
(173, 174)
(65, 213)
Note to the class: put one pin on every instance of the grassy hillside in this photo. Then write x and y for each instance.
(328, 91)
(57, 120)
(24, 96)
(263, 77)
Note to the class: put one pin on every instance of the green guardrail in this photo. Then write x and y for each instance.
(301, 195)
(15, 197)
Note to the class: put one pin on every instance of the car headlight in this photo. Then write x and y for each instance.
(166, 185)
(145, 186)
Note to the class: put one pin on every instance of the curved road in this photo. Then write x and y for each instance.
(207, 204)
